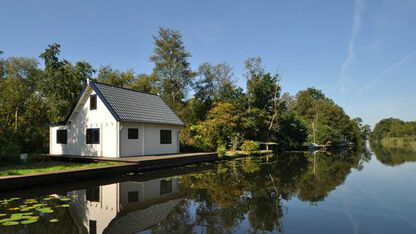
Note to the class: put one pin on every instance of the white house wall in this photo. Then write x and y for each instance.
(149, 140)
(76, 139)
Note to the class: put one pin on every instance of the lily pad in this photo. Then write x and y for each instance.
(27, 213)
(29, 221)
(1, 215)
(65, 199)
(54, 220)
(13, 199)
(17, 217)
(45, 210)
(30, 201)
(5, 220)
(47, 199)
(11, 223)
(27, 208)
(65, 205)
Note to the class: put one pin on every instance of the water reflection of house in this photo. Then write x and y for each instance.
(125, 207)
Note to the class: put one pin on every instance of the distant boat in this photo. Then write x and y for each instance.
(315, 146)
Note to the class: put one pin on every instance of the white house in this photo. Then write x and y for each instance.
(110, 121)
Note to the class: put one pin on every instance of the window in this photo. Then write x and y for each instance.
(93, 136)
(61, 136)
(133, 133)
(93, 194)
(93, 102)
(165, 186)
(165, 137)
(93, 226)
(133, 196)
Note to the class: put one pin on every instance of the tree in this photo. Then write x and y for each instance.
(392, 127)
(61, 82)
(209, 85)
(327, 122)
(222, 122)
(108, 75)
(172, 69)
(22, 110)
(144, 83)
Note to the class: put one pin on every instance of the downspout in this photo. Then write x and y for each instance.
(143, 144)
(102, 139)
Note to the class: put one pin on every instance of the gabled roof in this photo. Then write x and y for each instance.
(128, 105)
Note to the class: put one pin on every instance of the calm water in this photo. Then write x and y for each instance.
(344, 192)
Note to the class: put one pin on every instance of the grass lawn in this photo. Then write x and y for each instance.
(36, 167)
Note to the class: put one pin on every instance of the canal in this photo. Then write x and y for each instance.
(359, 191)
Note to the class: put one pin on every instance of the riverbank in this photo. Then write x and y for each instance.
(111, 167)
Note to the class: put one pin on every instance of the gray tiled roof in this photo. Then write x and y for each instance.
(135, 106)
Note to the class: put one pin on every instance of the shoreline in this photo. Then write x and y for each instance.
(36, 180)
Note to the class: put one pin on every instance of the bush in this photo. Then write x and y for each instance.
(250, 146)
(34, 158)
(9, 149)
(221, 150)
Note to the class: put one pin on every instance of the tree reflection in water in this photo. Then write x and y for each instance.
(392, 156)
(241, 195)
(253, 190)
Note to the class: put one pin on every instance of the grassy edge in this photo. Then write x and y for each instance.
(246, 153)
(37, 168)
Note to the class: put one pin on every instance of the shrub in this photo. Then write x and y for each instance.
(221, 150)
(9, 149)
(250, 146)
(34, 158)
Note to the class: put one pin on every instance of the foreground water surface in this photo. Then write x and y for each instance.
(361, 191)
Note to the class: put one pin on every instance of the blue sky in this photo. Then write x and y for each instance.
(361, 53)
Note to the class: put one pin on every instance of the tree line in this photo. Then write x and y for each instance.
(217, 112)
(392, 127)
(394, 133)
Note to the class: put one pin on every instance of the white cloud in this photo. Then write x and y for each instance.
(356, 27)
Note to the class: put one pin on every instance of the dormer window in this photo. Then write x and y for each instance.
(93, 102)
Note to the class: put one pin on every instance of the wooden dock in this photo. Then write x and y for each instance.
(129, 165)
(140, 159)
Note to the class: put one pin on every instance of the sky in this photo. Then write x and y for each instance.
(360, 53)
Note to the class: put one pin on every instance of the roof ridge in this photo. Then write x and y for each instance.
(135, 90)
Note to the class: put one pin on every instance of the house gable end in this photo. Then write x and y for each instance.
(83, 99)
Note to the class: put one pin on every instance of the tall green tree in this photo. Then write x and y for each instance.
(212, 79)
(144, 83)
(108, 75)
(172, 69)
(223, 120)
(22, 110)
(327, 122)
(61, 82)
